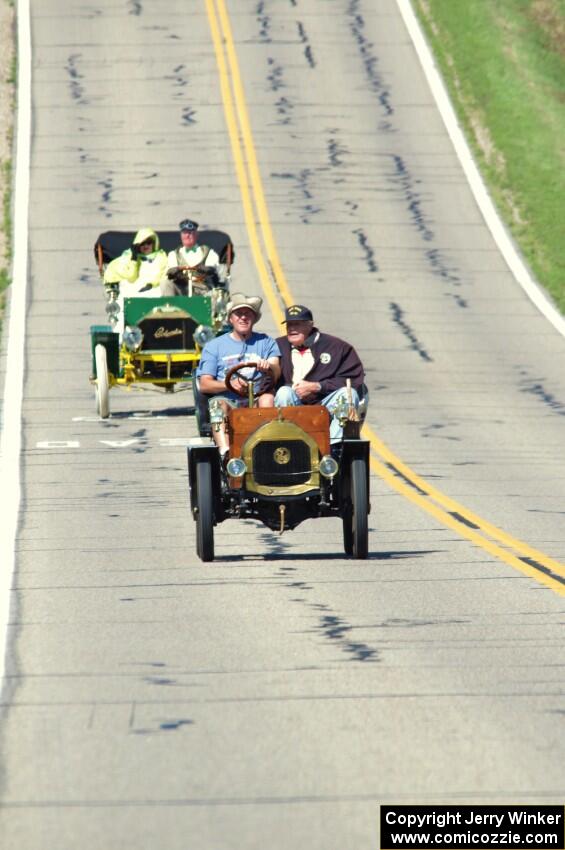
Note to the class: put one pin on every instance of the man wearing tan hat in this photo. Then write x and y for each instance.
(241, 345)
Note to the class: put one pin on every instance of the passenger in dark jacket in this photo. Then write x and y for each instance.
(315, 366)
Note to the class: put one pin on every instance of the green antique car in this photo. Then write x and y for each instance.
(156, 340)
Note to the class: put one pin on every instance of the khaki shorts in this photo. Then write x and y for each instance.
(232, 402)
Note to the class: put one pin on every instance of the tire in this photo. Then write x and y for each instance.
(205, 515)
(348, 534)
(360, 502)
(102, 382)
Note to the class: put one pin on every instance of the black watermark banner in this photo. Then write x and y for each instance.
(472, 827)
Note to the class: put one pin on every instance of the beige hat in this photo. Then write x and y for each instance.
(238, 299)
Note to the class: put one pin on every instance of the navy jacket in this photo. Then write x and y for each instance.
(334, 361)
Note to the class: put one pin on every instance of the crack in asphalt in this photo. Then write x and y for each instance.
(178, 79)
(306, 41)
(336, 629)
(439, 266)
(369, 252)
(370, 59)
(404, 179)
(302, 180)
(264, 22)
(336, 150)
(108, 187)
(284, 108)
(188, 114)
(275, 78)
(77, 90)
(535, 387)
(415, 344)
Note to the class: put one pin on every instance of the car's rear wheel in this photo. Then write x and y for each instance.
(360, 510)
(205, 513)
(102, 382)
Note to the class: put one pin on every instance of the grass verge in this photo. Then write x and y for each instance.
(504, 65)
(6, 183)
(8, 74)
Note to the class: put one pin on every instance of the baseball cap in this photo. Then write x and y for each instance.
(297, 313)
(188, 224)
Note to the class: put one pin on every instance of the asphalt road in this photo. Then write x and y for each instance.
(275, 697)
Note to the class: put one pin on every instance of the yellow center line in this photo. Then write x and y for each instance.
(240, 165)
(452, 506)
(384, 462)
(254, 173)
(405, 489)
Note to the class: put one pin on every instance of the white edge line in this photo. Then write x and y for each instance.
(11, 437)
(505, 244)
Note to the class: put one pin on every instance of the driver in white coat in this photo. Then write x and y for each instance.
(191, 254)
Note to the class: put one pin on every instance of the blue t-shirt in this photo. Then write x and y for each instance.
(223, 352)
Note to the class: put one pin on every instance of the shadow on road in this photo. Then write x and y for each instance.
(326, 556)
(165, 412)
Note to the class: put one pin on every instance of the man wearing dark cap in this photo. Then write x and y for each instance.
(192, 254)
(315, 366)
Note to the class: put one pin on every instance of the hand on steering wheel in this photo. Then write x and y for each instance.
(267, 380)
(199, 275)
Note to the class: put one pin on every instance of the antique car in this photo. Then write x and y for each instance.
(157, 340)
(281, 470)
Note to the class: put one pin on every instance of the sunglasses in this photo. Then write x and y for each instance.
(146, 242)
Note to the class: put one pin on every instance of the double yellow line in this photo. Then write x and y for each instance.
(247, 169)
(384, 463)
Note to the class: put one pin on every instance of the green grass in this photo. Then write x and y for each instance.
(5, 279)
(12, 77)
(504, 64)
(7, 206)
(6, 181)
(4, 283)
(6, 185)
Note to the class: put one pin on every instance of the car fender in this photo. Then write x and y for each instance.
(201, 450)
(352, 450)
(104, 335)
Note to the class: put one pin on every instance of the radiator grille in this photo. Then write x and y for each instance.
(267, 470)
(168, 334)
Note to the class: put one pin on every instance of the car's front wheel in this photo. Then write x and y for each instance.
(205, 512)
(356, 523)
(347, 534)
(102, 382)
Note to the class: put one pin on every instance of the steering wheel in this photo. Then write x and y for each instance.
(205, 276)
(199, 272)
(267, 380)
